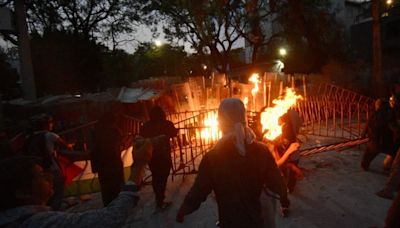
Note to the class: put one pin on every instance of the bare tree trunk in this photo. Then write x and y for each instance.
(377, 82)
(24, 52)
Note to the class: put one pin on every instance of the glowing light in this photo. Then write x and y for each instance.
(158, 43)
(389, 2)
(282, 51)
(211, 130)
(270, 117)
(245, 101)
(254, 79)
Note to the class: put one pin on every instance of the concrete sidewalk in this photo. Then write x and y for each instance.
(335, 192)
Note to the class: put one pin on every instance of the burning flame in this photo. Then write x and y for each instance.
(245, 101)
(254, 79)
(211, 130)
(270, 117)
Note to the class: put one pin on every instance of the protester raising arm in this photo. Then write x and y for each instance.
(292, 149)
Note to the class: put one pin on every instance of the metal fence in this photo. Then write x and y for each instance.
(335, 112)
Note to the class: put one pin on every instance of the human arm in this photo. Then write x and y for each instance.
(292, 148)
(199, 191)
(141, 155)
(62, 142)
(114, 215)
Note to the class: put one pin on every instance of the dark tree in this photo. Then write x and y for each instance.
(9, 77)
(153, 61)
(313, 35)
(209, 26)
(66, 62)
(106, 21)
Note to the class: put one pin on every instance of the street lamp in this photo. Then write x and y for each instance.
(158, 43)
(282, 52)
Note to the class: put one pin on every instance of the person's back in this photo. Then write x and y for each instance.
(155, 128)
(236, 169)
(161, 162)
(379, 130)
(238, 182)
(106, 145)
(35, 145)
(106, 156)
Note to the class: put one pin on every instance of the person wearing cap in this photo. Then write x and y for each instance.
(237, 169)
(26, 188)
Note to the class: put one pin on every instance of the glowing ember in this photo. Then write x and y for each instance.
(254, 79)
(211, 130)
(270, 117)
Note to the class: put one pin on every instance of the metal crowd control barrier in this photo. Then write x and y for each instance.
(331, 118)
(335, 112)
(322, 116)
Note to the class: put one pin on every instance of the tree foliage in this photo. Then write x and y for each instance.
(65, 62)
(153, 61)
(312, 34)
(8, 77)
(111, 21)
(107, 19)
(209, 26)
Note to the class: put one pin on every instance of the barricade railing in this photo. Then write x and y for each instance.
(339, 94)
(335, 113)
(331, 118)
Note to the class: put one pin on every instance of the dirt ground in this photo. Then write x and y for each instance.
(335, 192)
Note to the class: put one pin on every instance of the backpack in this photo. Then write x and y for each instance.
(35, 145)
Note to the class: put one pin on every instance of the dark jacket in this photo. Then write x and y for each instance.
(380, 132)
(157, 127)
(106, 154)
(237, 182)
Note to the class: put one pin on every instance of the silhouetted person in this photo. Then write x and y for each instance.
(161, 162)
(43, 142)
(106, 156)
(393, 215)
(236, 169)
(380, 133)
(291, 123)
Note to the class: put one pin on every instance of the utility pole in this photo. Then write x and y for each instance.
(377, 82)
(24, 52)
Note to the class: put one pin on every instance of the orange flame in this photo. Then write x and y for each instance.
(245, 101)
(270, 117)
(211, 130)
(254, 79)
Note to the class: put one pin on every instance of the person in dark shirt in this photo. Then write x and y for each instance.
(106, 156)
(236, 169)
(290, 129)
(161, 162)
(379, 130)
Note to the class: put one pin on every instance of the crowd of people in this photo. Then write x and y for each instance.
(238, 169)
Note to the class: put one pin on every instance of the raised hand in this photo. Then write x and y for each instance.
(293, 148)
